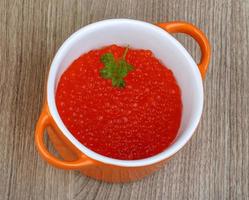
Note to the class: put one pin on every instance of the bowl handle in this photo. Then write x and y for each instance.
(44, 121)
(199, 37)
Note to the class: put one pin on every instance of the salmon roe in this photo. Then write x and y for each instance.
(129, 123)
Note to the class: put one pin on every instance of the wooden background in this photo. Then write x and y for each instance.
(213, 165)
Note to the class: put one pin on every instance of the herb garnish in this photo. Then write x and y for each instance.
(116, 70)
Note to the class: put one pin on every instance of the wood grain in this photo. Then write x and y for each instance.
(213, 165)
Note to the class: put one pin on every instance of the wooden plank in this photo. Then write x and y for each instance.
(213, 165)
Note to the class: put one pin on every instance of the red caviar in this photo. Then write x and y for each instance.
(129, 123)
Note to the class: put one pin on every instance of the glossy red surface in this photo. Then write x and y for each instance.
(136, 122)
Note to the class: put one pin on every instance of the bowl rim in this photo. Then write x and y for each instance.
(172, 149)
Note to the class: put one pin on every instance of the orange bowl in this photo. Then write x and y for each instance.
(138, 34)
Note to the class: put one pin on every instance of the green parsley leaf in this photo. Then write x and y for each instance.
(118, 82)
(105, 73)
(122, 70)
(116, 70)
(108, 59)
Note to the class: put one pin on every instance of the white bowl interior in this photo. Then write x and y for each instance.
(141, 35)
